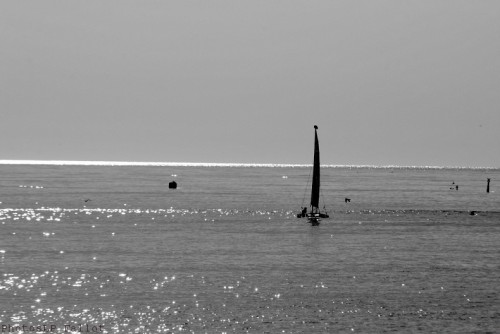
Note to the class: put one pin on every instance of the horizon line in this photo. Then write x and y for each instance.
(213, 164)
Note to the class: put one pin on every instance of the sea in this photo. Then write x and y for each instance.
(110, 248)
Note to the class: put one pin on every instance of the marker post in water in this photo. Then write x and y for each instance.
(488, 185)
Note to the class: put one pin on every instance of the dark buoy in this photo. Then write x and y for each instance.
(488, 185)
(172, 185)
(347, 199)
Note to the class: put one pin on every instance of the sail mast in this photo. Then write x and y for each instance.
(315, 179)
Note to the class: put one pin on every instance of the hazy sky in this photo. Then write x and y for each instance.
(387, 82)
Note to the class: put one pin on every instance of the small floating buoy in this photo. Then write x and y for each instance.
(347, 199)
(172, 185)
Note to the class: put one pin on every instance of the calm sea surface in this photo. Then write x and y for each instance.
(113, 250)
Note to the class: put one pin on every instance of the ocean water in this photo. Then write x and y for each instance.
(101, 249)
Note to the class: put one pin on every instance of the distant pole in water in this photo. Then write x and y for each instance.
(488, 186)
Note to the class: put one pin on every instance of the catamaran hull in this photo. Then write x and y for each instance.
(315, 215)
(319, 215)
(313, 218)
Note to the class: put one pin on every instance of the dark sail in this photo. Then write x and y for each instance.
(315, 179)
(314, 215)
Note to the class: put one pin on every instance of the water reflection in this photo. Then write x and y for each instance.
(225, 270)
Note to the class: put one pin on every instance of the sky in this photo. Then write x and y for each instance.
(411, 83)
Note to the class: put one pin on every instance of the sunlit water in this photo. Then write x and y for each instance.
(113, 250)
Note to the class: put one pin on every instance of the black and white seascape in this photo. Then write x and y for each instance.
(112, 249)
(160, 166)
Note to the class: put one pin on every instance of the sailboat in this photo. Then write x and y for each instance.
(314, 213)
